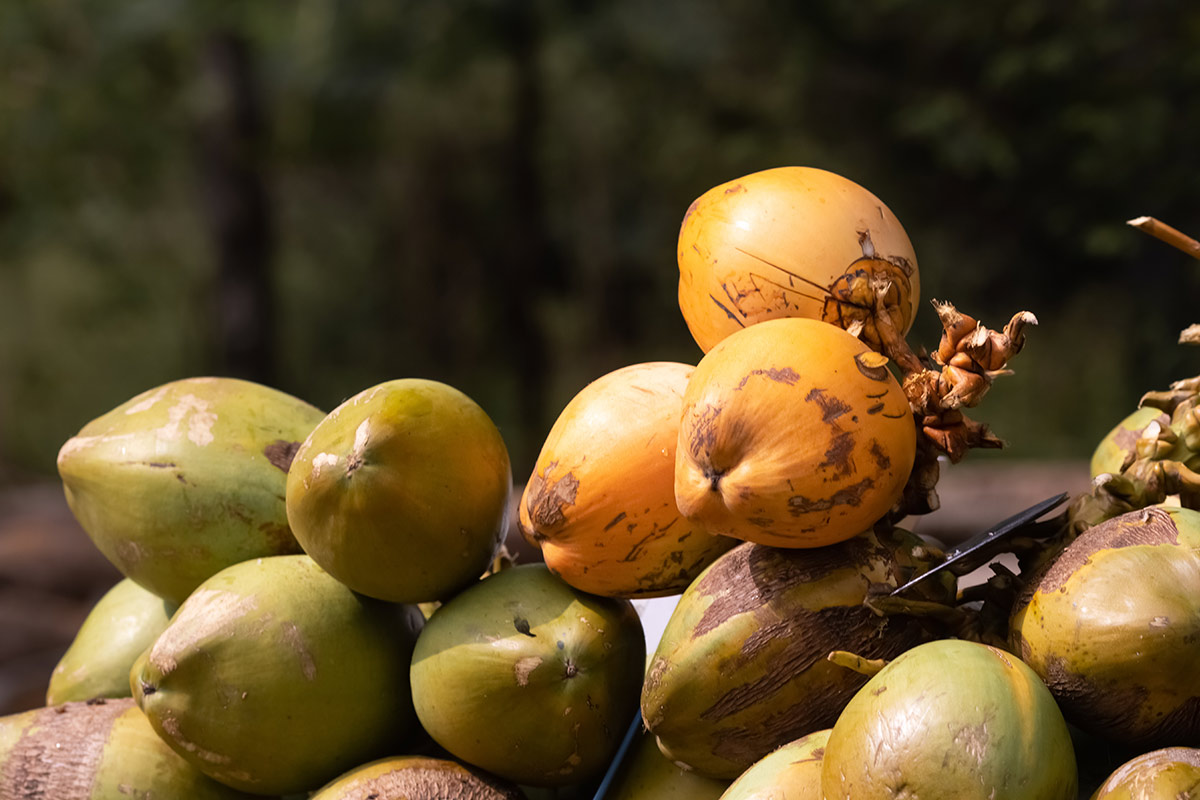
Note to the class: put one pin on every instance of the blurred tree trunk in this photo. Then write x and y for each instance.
(528, 264)
(232, 135)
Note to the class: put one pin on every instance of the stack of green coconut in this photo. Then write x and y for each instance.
(264, 642)
(320, 606)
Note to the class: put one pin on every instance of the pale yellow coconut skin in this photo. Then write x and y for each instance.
(1170, 773)
(122, 624)
(793, 772)
(186, 479)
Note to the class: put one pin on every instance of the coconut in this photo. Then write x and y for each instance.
(1171, 773)
(646, 774)
(274, 678)
(1118, 448)
(529, 678)
(1113, 628)
(417, 778)
(793, 772)
(742, 667)
(186, 479)
(122, 624)
(402, 491)
(103, 750)
(951, 720)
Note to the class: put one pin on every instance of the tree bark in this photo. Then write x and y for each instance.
(237, 209)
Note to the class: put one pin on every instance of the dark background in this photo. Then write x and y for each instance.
(324, 195)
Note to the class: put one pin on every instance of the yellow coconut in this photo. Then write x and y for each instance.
(794, 434)
(601, 500)
(792, 242)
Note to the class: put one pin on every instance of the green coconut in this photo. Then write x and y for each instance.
(402, 491)
(951, 720)
(646, 774)
(274, 678)
(1171, 773)
(742, 668)
(793, 772)
(186, 479)
(122, 624)
(417, 778)
(528, 678)
(1119, 446)
(1113, 628)
(103, 750)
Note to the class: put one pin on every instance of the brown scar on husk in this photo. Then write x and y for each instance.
(831, 407)
(280, 539)
(750, 576)
(847, 496)
(615, 520)
(800, 643)
(1149, 526)
(784, 375)
(549, 497)
(59, 752)
(281, 453)
(837, 455)
(704, 431)
(882, 460)
(687, 214)
(728, 313)
(434, 778)
(1126, 439)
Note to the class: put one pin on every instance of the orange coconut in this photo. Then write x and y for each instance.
(601, 500)
(782, 243)
(794, 434)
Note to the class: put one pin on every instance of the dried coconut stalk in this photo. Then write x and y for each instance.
(969, 357)
(1165, 233)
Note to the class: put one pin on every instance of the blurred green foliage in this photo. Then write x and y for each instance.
(488, 193)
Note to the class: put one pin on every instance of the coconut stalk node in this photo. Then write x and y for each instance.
(969, 357)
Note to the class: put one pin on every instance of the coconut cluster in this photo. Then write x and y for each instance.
(322, 605)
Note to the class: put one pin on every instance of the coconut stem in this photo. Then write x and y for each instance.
(853, 661)
(1165, 233)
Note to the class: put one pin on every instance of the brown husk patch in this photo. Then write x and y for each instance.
(60, 752)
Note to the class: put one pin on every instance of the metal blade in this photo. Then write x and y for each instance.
(980, 548)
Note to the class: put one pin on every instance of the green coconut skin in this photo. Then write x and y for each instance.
(186, 479)
(951, 720)
(742, 667)
(1119, 445)
(402, 491)
(1171, 773)
(417, 778)
(648, 775)
(1113, 628)
(122, 624)
(97, 751)
(528, 678)
(793, 772)
(274, 678)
